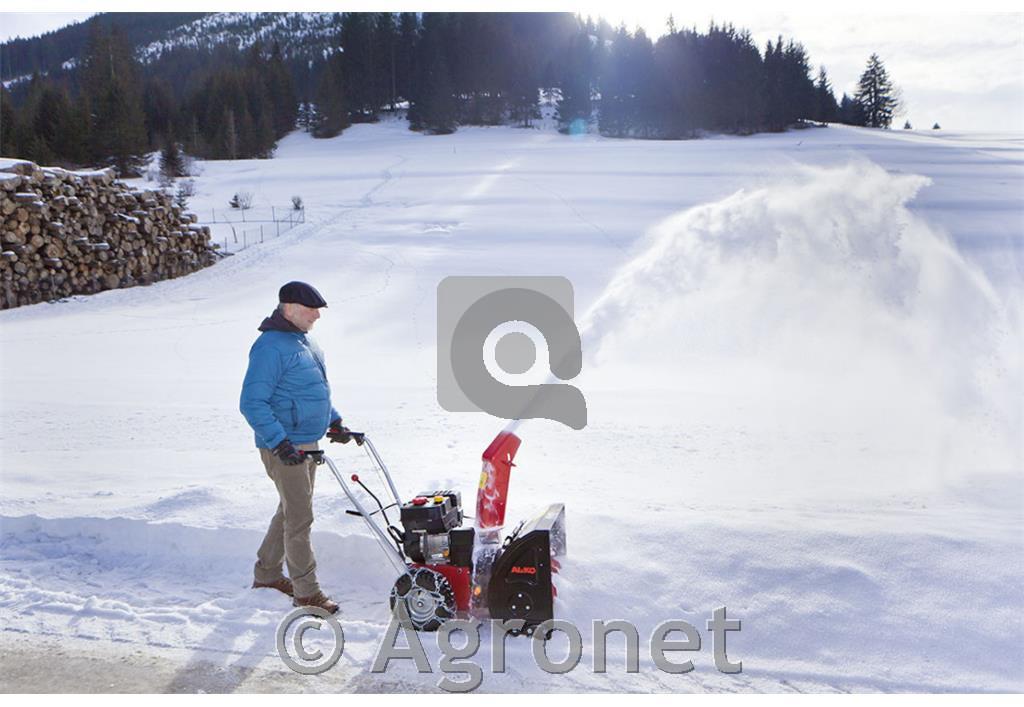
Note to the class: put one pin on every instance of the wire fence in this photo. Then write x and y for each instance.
(238, 230)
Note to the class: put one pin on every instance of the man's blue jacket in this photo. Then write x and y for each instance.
(285, 393)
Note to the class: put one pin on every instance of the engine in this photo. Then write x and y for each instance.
(431, 530)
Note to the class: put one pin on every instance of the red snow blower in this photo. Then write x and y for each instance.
(445, 568)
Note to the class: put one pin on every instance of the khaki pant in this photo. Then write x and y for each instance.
(287, 539)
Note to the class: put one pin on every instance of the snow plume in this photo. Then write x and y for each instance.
(823, 296)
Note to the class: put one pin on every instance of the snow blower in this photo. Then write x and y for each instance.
(445, 568)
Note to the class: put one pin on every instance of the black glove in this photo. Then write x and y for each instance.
(287, 453)
(339, 433)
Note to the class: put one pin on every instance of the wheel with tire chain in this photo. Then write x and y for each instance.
(428, 597)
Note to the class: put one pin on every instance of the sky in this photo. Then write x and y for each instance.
(964, 71)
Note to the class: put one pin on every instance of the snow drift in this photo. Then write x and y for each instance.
(823, 295)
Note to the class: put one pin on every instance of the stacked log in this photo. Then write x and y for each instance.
(67, 233)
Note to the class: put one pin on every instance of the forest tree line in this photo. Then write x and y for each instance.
(445, 70)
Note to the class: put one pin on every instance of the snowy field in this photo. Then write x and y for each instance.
(803, 376)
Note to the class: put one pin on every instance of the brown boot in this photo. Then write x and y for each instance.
(283, 585)
(319, 599)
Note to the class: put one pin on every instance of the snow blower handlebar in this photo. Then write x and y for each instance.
(385, 542)
(363, 440)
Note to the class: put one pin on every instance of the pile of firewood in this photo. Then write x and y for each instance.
(67, 233)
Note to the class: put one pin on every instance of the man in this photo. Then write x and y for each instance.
(287, 401)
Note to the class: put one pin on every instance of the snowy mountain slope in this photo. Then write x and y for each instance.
(307, 34)
(303, 36)
(803, 400)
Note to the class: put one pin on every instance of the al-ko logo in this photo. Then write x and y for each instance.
(669, 638)
(470, 310)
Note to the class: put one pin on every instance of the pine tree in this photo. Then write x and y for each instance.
(575, 105)
(232, 114)
(788, 92)
(267, 105)
(8, 147)
(49, 115)
(646, 86)
(434, 108)
(112, 87)
(263, 136)
(331, 115)
(851, 111)
(360, 66)
(876, 94)
(32, 137)
(725, 80)
(774, 99)
(481, 65)
(385, 40)
(748, 67)
(161, 111)
(826, 110)
(186, 189)
(522, 89)
(405, 58)
(616, 87)
(549, 82)
(798, 91)
(454, 69)
(681, 85)
(172, 162)
(230, 134)
(197, 143)
(628, 87)
(281, 93)
(305, 116)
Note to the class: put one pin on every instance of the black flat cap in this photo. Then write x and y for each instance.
(301, 293)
